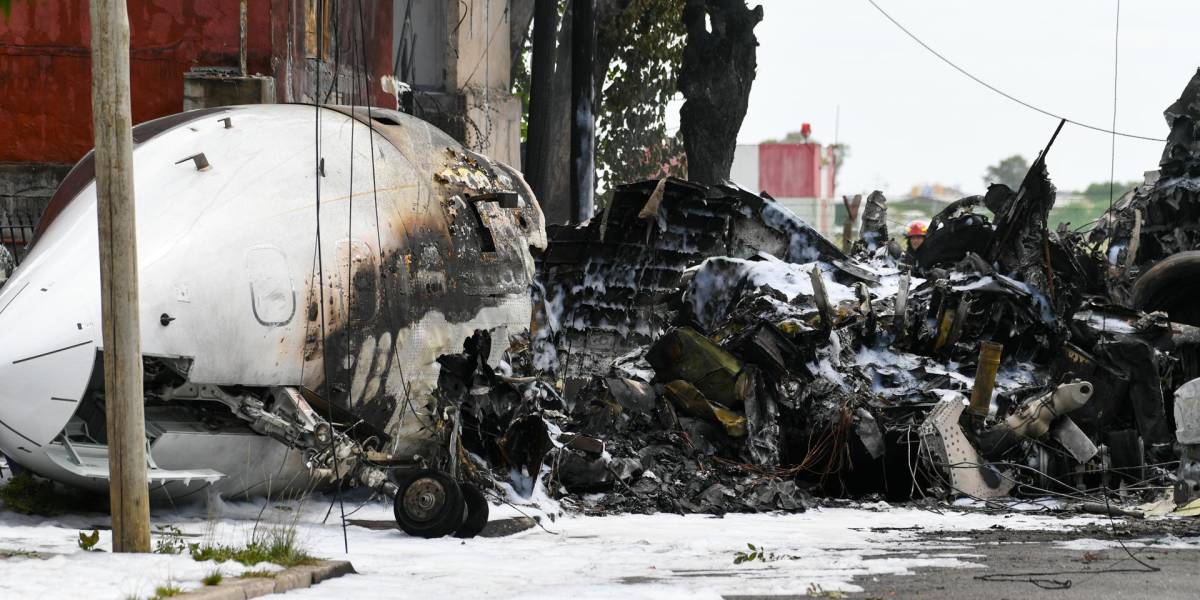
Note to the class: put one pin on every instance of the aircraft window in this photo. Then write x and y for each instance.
(272, 296)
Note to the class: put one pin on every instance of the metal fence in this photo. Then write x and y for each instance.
(17, 222)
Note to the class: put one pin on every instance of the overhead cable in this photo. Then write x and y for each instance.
(1002, 92)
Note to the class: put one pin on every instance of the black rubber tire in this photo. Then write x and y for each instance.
(477, 512)
(429, 504)
(1169, 286)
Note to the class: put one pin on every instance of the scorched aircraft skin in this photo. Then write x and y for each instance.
(419, 247)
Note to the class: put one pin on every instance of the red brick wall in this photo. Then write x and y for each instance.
(45, 61)
(45, 66)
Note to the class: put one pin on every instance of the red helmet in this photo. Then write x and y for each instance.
(916, 228)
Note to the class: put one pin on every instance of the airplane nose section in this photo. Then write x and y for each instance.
(46, 360)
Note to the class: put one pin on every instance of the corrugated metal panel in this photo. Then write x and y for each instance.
(791, 170)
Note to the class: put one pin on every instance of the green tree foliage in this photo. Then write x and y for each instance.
(1099, 190)
(646, 44)
(1009, 171)
(521, 83)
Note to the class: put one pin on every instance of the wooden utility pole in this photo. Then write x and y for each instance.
(129, 494)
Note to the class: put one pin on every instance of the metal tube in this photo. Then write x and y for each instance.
(985, 378)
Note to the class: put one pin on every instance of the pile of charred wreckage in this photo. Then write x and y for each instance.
(691, 349)
(700, 349)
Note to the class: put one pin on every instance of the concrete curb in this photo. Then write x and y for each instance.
(284, 581)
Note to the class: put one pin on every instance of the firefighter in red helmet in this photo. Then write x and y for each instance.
(915, 233)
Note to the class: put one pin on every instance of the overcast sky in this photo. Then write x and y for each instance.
(909, 118)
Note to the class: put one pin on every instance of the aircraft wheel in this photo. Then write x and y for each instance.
(477, 512)
(429, 505)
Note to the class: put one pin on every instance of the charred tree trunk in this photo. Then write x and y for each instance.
(555, 175)
(556, 187)
(719, 63)
(541, 86)
(583, 119)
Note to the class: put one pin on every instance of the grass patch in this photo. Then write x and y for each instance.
(170, 540)
(19, 553)
(166, 591)
(258, 573)
(276, 545)
(213, 578)
(29, 496)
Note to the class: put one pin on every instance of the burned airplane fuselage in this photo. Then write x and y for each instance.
(251, 290)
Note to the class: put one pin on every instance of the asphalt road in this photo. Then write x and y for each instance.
(1021, 565)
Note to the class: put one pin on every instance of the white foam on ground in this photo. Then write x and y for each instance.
(630, 556)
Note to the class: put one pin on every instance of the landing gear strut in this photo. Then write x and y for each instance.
(428, 503)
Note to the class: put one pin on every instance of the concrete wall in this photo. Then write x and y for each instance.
(744, 171)
(204, 90)
(25, 189)
(421, 26)
(480, 70)
(460, 71)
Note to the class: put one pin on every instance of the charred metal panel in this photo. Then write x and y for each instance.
(604, 286)
(1153, 225)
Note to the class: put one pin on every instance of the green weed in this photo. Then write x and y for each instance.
(213, 578)
(170, 540)
(29, 496)
(88, 541)
(258, 573)
(755, 553)
(166, 591)
(276, 545)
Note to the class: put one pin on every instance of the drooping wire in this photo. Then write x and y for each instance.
(348, 284)
(1112, 160)
(1001, 92)
(1112, 166)
(366, 97)
(366, 76)
(319, 169)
